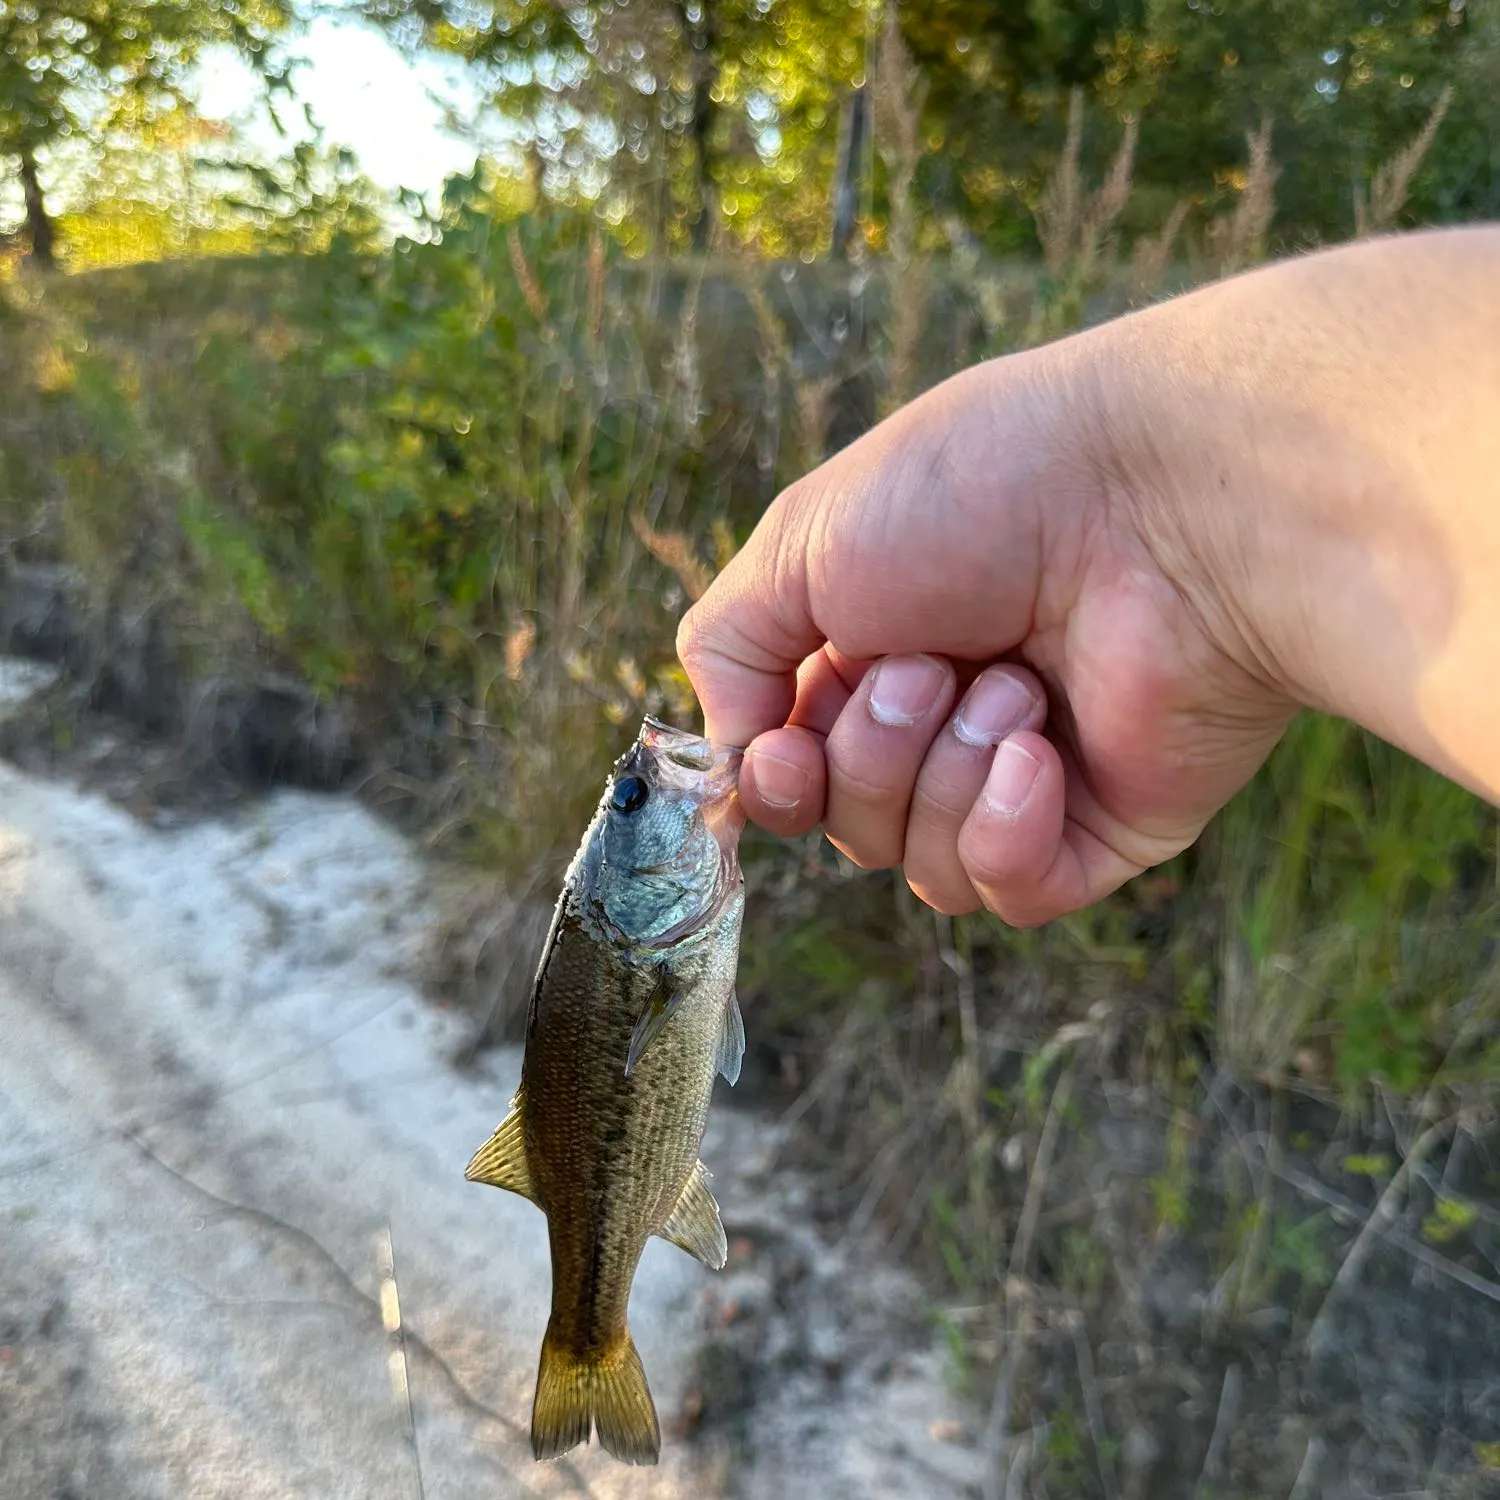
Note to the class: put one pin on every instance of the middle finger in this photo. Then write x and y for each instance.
(875, 750)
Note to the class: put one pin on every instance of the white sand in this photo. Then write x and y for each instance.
(232, 1005)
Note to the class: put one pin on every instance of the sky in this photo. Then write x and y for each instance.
(366, 96)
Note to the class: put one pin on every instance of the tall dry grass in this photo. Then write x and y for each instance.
(1240, 237)
(1073, 222)
(1377, 207)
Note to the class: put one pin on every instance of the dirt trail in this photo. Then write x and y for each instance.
(219, 1088)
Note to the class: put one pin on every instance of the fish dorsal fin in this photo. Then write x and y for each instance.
(694, 1225)
(730, 1048)
(501, 1161)
(660, 1008)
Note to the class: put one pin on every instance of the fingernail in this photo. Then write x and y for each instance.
(997, 705)
(1011, 779)
(903, 689)
(779, 783)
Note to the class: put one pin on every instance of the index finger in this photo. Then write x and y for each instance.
(742, 642)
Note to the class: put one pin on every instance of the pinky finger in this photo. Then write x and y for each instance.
(1028, 861)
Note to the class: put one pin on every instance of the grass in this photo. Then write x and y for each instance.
(466, 490)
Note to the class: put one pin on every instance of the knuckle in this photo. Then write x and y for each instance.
(985, 863)
(692, 643)
(937, 807)
(872, 791)
(1014, 912)
(687, 635)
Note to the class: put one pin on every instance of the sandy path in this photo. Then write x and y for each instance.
(220, 1090)
(217, 1088)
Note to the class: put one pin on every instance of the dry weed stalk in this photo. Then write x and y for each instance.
(1148, 266)
(1073, 224)
(531, 288)
(674, 550)
(900, 93)
(518, 647)
(775, 355)
(1114, 193)
(1059, 213)
(814, 399)
(1383, 1218)
(597, 267)
(1239, 238)
(1376, 209)
(685, 365)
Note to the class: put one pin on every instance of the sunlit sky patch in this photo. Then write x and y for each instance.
(366, 96)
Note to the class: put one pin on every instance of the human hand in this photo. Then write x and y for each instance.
(1029, 634)
(957, 647)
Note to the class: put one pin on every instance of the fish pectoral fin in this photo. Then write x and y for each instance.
(660, 1008)
(730, 1049)
(694, 1225)
(501, 1161)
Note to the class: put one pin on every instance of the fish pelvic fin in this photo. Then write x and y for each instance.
(694, 1224)
(501, 1161)
(605, 1391)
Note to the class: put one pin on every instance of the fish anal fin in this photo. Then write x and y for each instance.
(694, 1224)
(608, 1391)
(729, 1051)
(501, 1161)
(660, 1007)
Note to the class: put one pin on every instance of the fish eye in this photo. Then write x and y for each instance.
(629, 795)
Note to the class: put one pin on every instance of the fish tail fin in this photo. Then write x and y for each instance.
(606, 1390)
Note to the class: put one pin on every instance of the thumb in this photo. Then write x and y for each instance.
(922, 536)
(742, 642)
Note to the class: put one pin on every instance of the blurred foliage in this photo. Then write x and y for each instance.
(468, 487)
(687, 119)
(84, 77)
(701, 123)
(180, 190)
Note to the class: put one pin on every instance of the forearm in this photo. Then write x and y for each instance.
(1322, 441)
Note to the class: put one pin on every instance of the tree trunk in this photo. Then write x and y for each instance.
(38, 220)
(847, 173)
(701, 39)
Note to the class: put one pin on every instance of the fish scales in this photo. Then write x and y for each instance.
(632, 1015)
(611, 1153)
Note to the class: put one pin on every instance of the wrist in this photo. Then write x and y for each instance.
(1281, 493)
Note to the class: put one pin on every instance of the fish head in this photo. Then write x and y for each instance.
(664, 853)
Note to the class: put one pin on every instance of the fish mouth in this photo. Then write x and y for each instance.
(703, 769)
(680, 761)
(693, 752)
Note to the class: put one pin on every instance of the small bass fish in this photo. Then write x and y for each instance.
(632, 1014)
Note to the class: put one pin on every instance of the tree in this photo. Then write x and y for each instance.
(598, 97)
(76, 69)
(1347, 82)
(680, 118)
(678, 115)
